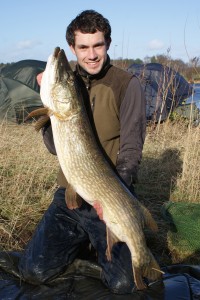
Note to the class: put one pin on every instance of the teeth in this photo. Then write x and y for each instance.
(93, 63)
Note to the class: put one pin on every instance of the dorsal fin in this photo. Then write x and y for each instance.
(148, 219)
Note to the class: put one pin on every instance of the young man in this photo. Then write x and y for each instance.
(116, 107)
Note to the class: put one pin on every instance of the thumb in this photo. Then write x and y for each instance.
(39, 78)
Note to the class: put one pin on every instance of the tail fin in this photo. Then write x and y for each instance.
(42, 113)
(140, 285)
(152, 271)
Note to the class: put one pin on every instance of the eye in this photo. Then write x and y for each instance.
(70, 80)
(98, 46)
(82, 47)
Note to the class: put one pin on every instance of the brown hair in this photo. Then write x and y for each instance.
(89, 21)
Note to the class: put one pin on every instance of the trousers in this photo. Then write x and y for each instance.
(57, 241)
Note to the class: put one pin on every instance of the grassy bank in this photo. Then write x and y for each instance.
(27, 182)
(170, 170)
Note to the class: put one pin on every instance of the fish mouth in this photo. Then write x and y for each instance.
(61, 63)
(57, 50)
(59, 54)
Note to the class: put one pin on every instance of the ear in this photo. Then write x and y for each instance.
(72, 49)
(108, 43)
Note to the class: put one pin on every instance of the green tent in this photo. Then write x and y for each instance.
(19, 90)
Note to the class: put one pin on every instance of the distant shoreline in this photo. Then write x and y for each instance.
(194, 82)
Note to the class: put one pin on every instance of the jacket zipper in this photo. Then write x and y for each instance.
(93, 104)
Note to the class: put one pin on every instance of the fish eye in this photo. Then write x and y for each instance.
(70, 80)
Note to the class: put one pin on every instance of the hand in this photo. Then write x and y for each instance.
(39, 78)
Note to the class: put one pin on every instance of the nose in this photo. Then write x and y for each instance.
(92, 53)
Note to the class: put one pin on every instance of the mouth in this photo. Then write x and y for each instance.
(93, 64)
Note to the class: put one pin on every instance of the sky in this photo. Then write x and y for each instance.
(140, 29)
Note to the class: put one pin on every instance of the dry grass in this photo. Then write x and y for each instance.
(27, 181)
(188, 182)
(171, 165)
(170, 170)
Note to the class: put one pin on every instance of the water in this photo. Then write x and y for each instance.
(195, 97)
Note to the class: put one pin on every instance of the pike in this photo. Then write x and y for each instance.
(87, 171)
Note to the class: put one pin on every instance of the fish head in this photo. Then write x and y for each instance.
(58, 86)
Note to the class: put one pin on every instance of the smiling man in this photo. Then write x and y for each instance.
(90, 50)
(89, 38)
(116, 107)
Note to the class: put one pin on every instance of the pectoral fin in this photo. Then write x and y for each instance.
(41, 122)
(42, 113)
(37, 113)
(72, 199)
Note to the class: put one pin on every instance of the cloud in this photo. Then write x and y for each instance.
(27, 44)
(24, 49)
(155, 44)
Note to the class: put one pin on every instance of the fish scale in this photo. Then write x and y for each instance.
(88, 172)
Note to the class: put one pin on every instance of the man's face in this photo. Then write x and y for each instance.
(90, 50)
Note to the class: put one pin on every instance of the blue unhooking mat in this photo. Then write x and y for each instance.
(81, 281)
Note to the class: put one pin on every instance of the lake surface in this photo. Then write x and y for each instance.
(195, 97)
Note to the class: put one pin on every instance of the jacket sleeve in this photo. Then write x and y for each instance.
(48, 138)
(132, 132)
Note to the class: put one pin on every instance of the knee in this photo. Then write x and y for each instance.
(119, 284)
(32, 276)
(32, 273)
